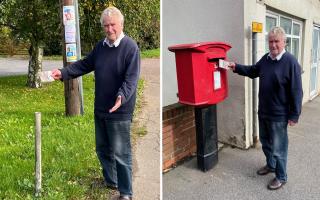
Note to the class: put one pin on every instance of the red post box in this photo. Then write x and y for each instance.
(203, 84)
(200, 81)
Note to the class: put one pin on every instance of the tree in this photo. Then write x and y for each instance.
(142, 21)
(90, 27)
(34, 21)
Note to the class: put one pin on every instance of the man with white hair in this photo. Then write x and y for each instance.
(280, 100)
(116, 63)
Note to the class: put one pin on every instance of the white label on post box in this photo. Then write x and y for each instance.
(216, 80)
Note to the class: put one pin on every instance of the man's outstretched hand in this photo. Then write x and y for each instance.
(232, 66)
(116, 105)
(56, 74)
(291, 123)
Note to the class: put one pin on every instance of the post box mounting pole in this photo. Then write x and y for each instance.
(206, 135)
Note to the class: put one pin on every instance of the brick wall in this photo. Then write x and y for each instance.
(178, 134)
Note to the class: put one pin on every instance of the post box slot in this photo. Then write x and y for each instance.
(215, 56)
(215, 60)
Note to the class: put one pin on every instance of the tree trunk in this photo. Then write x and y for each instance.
(35, 65)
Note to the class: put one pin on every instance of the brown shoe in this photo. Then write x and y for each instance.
(124, 197)
(275, 184)
(265, 170)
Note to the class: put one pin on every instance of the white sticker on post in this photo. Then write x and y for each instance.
(216, 80)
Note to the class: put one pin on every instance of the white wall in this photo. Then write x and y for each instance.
(190, 21)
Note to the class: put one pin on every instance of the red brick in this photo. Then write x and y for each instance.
(183, 155)
(167, 134)
(178, 134)
(167, 128)
(169, 163)
(193, 148)
(168, 140)
(168, 148)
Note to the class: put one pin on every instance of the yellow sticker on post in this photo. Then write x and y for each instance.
(257, 27)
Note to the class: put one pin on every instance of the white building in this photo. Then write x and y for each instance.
(230, 21)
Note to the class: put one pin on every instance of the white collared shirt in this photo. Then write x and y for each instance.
(116, 43)
(278, 57)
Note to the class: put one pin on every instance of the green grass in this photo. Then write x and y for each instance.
(141, 131)
(69, 162)
(153, 53)
(53, 57)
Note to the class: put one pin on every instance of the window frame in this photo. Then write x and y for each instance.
(290, 36)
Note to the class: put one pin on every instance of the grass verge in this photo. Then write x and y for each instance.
(153, 53)
(70, 167)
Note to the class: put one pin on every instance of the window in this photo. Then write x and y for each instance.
(292, 28)
(270, 22)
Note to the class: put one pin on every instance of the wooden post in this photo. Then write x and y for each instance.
(71, 47)
(38, 152)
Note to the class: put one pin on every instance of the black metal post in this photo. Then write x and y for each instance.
(207, 139)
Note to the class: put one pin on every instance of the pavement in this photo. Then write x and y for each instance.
(235, 178)
(146, 149)
(146, 174)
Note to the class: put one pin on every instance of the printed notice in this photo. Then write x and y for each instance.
(71, 52)
(68, 15)
(70, 33)
(217, 80)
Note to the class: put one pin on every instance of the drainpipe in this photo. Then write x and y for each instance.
(254, 92)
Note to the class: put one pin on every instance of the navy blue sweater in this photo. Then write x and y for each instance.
(116, 73)
(280, 87)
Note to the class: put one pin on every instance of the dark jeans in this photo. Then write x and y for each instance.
(113, 149)
(274, 140)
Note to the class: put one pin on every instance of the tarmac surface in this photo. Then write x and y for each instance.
(235, 178)
(18, 66)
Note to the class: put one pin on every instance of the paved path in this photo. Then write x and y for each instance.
(146, 156)
(146, 180)
(235, 175)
